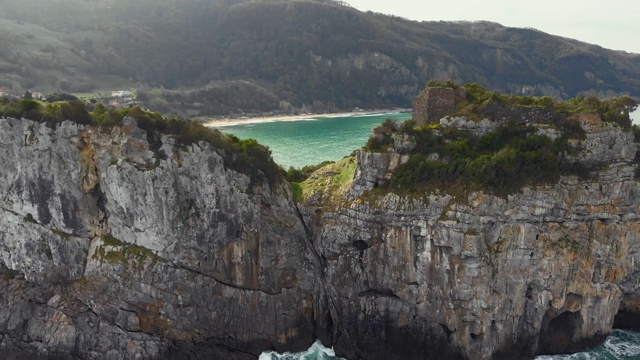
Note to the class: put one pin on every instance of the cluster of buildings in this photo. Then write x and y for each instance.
(117, 98)
(4, 93)
(122, 98)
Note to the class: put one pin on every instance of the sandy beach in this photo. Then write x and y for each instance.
(257, 120)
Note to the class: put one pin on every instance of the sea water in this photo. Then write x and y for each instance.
(312, 141)
(315, 352)
(620, 345)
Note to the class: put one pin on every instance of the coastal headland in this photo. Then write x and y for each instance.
(504, 229)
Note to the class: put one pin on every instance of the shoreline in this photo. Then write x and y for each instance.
(218, 123)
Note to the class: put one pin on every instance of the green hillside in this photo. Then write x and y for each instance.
(262, 55)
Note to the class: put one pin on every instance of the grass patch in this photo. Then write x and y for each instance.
(332, 180)
(115, 251)
(109, 240)
(297, 191)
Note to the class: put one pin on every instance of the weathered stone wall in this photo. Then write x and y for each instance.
(520, 114)
(432, 104)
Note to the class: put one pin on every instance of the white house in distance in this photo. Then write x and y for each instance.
(36, 95)
(121, 94)
(3, 92)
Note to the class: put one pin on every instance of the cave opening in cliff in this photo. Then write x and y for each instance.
(558, 332)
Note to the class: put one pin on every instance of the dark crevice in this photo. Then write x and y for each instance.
(361, 245)
(309, 238)
(101, 201)
(446, 330)
(560, 334)
(627, 319)
(323, 322)
(386, 293)
(237, 287)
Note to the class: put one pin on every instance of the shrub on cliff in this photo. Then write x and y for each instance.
(381, 138)
(296, 175)
(246, 156)
(502, 161)
(615, 110)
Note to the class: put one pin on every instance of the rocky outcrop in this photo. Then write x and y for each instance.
(115, 248)
(478, 276)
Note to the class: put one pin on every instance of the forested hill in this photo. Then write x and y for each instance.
(264, 54)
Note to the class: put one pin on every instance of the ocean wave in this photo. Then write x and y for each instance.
(620, 345)
(316, 352)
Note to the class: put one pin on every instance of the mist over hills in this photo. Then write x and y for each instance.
(261, 55)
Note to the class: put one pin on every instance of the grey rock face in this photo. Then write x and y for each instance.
(544, 270)
(111, 248)
(477, 128)
(157, 252)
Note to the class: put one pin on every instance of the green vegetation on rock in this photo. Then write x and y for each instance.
(272, 54)
(246, 156)
(516, 154)
(115, 251)
(331, 180)
(481, 103)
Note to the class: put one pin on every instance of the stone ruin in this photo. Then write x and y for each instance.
(436, 102)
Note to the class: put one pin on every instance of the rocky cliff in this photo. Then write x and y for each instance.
(113, 251)
(478, 276)
(111, 248)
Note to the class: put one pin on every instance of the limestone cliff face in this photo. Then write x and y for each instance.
(114, 248)
(544, 270)
(111, 250)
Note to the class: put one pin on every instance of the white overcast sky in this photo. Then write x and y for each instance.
(613, 24)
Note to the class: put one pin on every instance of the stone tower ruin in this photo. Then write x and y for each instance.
(433, 104)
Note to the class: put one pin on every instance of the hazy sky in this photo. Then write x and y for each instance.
(613, 24)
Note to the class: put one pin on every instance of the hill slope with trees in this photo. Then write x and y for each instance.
(279, 54)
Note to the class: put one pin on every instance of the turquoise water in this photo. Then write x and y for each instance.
(312, 141)
(621, 345)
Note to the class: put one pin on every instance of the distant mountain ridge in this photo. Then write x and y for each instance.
(280, 54)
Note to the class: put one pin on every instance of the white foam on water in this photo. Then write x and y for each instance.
(316, 352)
(623, 344)
(620, 345)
